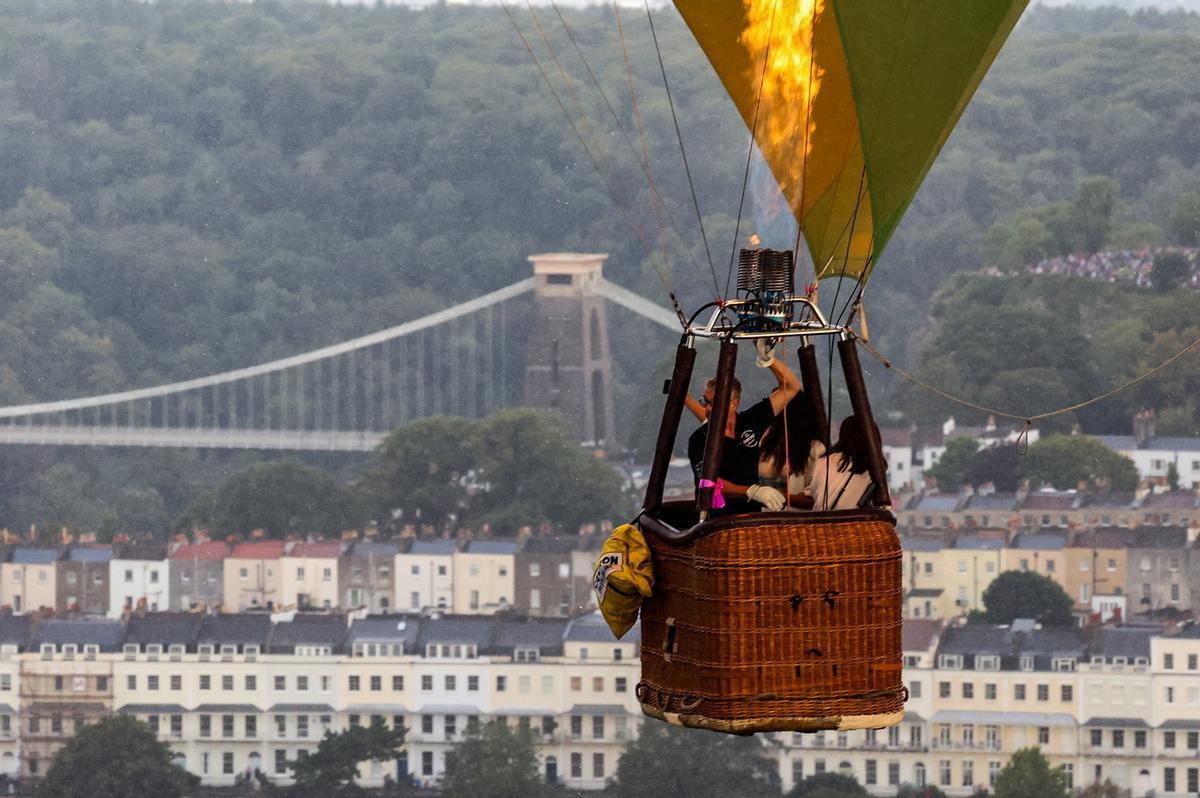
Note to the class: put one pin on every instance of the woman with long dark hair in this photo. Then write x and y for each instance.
(790, 450)
(842, 478)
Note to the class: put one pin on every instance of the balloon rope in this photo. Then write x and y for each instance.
(659, 204)
(682, 152)
(1027, 420)
(612, 192)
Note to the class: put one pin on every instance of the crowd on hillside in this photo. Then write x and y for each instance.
(1112, 266)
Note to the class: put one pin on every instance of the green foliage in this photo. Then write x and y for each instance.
(512, 468)
(951, 470)
(666, 760)
(1026, 594)
(252, 184)
(1067, 461)
(1029, 775)
(494, 761)
(1185, 220)
(1102, 789)
(116, 757)
(829, 785)
(910, 791)
(281, 497)
(1170, 270)
(424, 469)
(330, 771)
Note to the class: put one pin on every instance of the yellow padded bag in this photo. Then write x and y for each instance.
(624, 576)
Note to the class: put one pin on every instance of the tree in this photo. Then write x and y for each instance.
(1025, 594)
(280, 497)
(911, 791)
(117, 757)
(1169, 271)
(423, 470)
(534, 471)
(1102, 789)
(331, 770)
(953, 467)
(1172, 476)
(1029, 775)
(829, 785)
(665, 760)
(996, 465)
(1067, 461)
(1185, 220)
(1095, 200)
(493, 761)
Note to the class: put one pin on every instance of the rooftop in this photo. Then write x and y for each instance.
(212, 550)
(491, 547)
(258, 550)
(89, 554)
(433, 547)
(323, 549)
(27, 555)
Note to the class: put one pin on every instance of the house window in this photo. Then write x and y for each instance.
(1043, 735)
(577, 766)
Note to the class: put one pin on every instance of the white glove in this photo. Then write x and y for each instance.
(770, 498)
(766, 353)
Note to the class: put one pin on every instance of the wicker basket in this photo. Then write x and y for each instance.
(776, 622)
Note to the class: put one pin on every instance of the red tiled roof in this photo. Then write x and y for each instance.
(895, 437)
(320, 548)
(258, 550)
(213, 550)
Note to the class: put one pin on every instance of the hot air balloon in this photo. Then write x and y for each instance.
(791, 620)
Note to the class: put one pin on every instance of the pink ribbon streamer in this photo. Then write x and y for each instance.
(718, 499)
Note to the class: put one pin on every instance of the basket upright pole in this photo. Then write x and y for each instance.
(810, 375)
(857, 388)
(681, 377)
(718, 414)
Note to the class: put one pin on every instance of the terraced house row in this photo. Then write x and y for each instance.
(1109, 572)
(234, 693)
(537, 576)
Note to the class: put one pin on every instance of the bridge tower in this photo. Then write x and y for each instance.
(568, 364)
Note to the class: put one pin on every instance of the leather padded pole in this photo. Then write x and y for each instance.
(862, 410)
(811, 376)
(681, 377)
(718, 414)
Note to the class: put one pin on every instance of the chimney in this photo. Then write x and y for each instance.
(1143, 427)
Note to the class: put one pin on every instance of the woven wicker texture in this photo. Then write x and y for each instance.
(791, 622)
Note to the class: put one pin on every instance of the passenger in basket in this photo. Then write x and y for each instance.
(738, 472)
(842, 479)
(789, 452)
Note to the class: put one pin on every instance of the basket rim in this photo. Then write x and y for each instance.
(663, 531)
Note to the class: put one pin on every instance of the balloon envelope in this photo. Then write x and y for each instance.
(850, 101)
